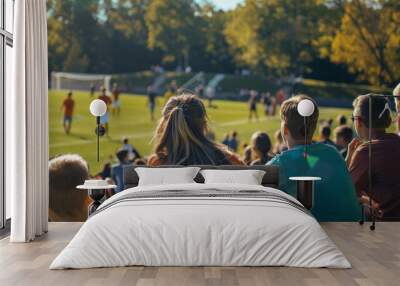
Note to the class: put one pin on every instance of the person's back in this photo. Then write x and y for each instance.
(65, 202)
(334, 196)
(385, 181)
(181, 136)
(117, 175)
(104, 97)
(68, 106)
(344, 135)
(233, 144)
(151, 95)
(115, 94)
(385, 156)
(253, 100)
(261, 147)
(226, 140)
(326, 134)
(117, 170)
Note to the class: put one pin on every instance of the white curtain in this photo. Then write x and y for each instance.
(27, 124)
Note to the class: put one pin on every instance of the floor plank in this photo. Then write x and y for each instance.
(375, 257)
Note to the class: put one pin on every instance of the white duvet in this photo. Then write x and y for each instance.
(202, 231)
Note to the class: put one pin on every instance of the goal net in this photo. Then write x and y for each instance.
(78, 81)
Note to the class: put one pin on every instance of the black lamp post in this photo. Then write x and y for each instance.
(305, 184)
(98, 108)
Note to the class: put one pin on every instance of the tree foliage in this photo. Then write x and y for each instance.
(368, 40)
(172, 28)
(275, 36)
(323, 38)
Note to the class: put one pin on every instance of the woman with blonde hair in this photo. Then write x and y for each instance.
(181, 136)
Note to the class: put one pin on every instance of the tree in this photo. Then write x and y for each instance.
(172, 27)
(212, 50)
(274, 36)
(72, 34)
(126, 36)
(98, 36)
(368, 40)
(75, 61)
(128, 17)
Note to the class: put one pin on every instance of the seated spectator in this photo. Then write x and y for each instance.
(233, 142)
(341, 120)
(247, 155)
(385, 153)
(261, 147)
(65, 202)
(334, 197)
(344, 135)
(140, 162)
(180, 138)
(117, 170)
(105, 172)
(210, 134)
(226, 139)
(325, 133)
(279, 145)
(132, 152)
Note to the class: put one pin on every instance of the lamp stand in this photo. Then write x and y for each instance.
(305, 137)
(98, 137)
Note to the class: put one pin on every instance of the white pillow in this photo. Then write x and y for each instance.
(166, 176)
(247, 177)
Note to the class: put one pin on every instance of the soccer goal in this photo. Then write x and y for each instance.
(79, 81)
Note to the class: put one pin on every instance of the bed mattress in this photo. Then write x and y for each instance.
(201, 225)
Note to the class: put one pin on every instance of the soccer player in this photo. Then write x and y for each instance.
(116, 104)
(68, 107)
(266, 100)
(133, 154)
(92, 89)
(151, 96)
(107, 100)
(253, 105)
(168, 93)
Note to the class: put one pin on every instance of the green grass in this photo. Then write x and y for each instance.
(134, 122)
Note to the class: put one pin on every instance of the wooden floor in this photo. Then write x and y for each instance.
(375, 257)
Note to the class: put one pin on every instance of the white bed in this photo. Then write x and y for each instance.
(225, 225)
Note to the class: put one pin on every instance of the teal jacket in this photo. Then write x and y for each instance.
(334, 197)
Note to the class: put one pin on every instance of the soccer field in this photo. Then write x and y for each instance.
(134, 122)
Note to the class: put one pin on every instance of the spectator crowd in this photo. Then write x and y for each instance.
(340, 155)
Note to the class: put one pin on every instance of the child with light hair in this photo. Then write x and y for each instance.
(335, 197)
(65, 202)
